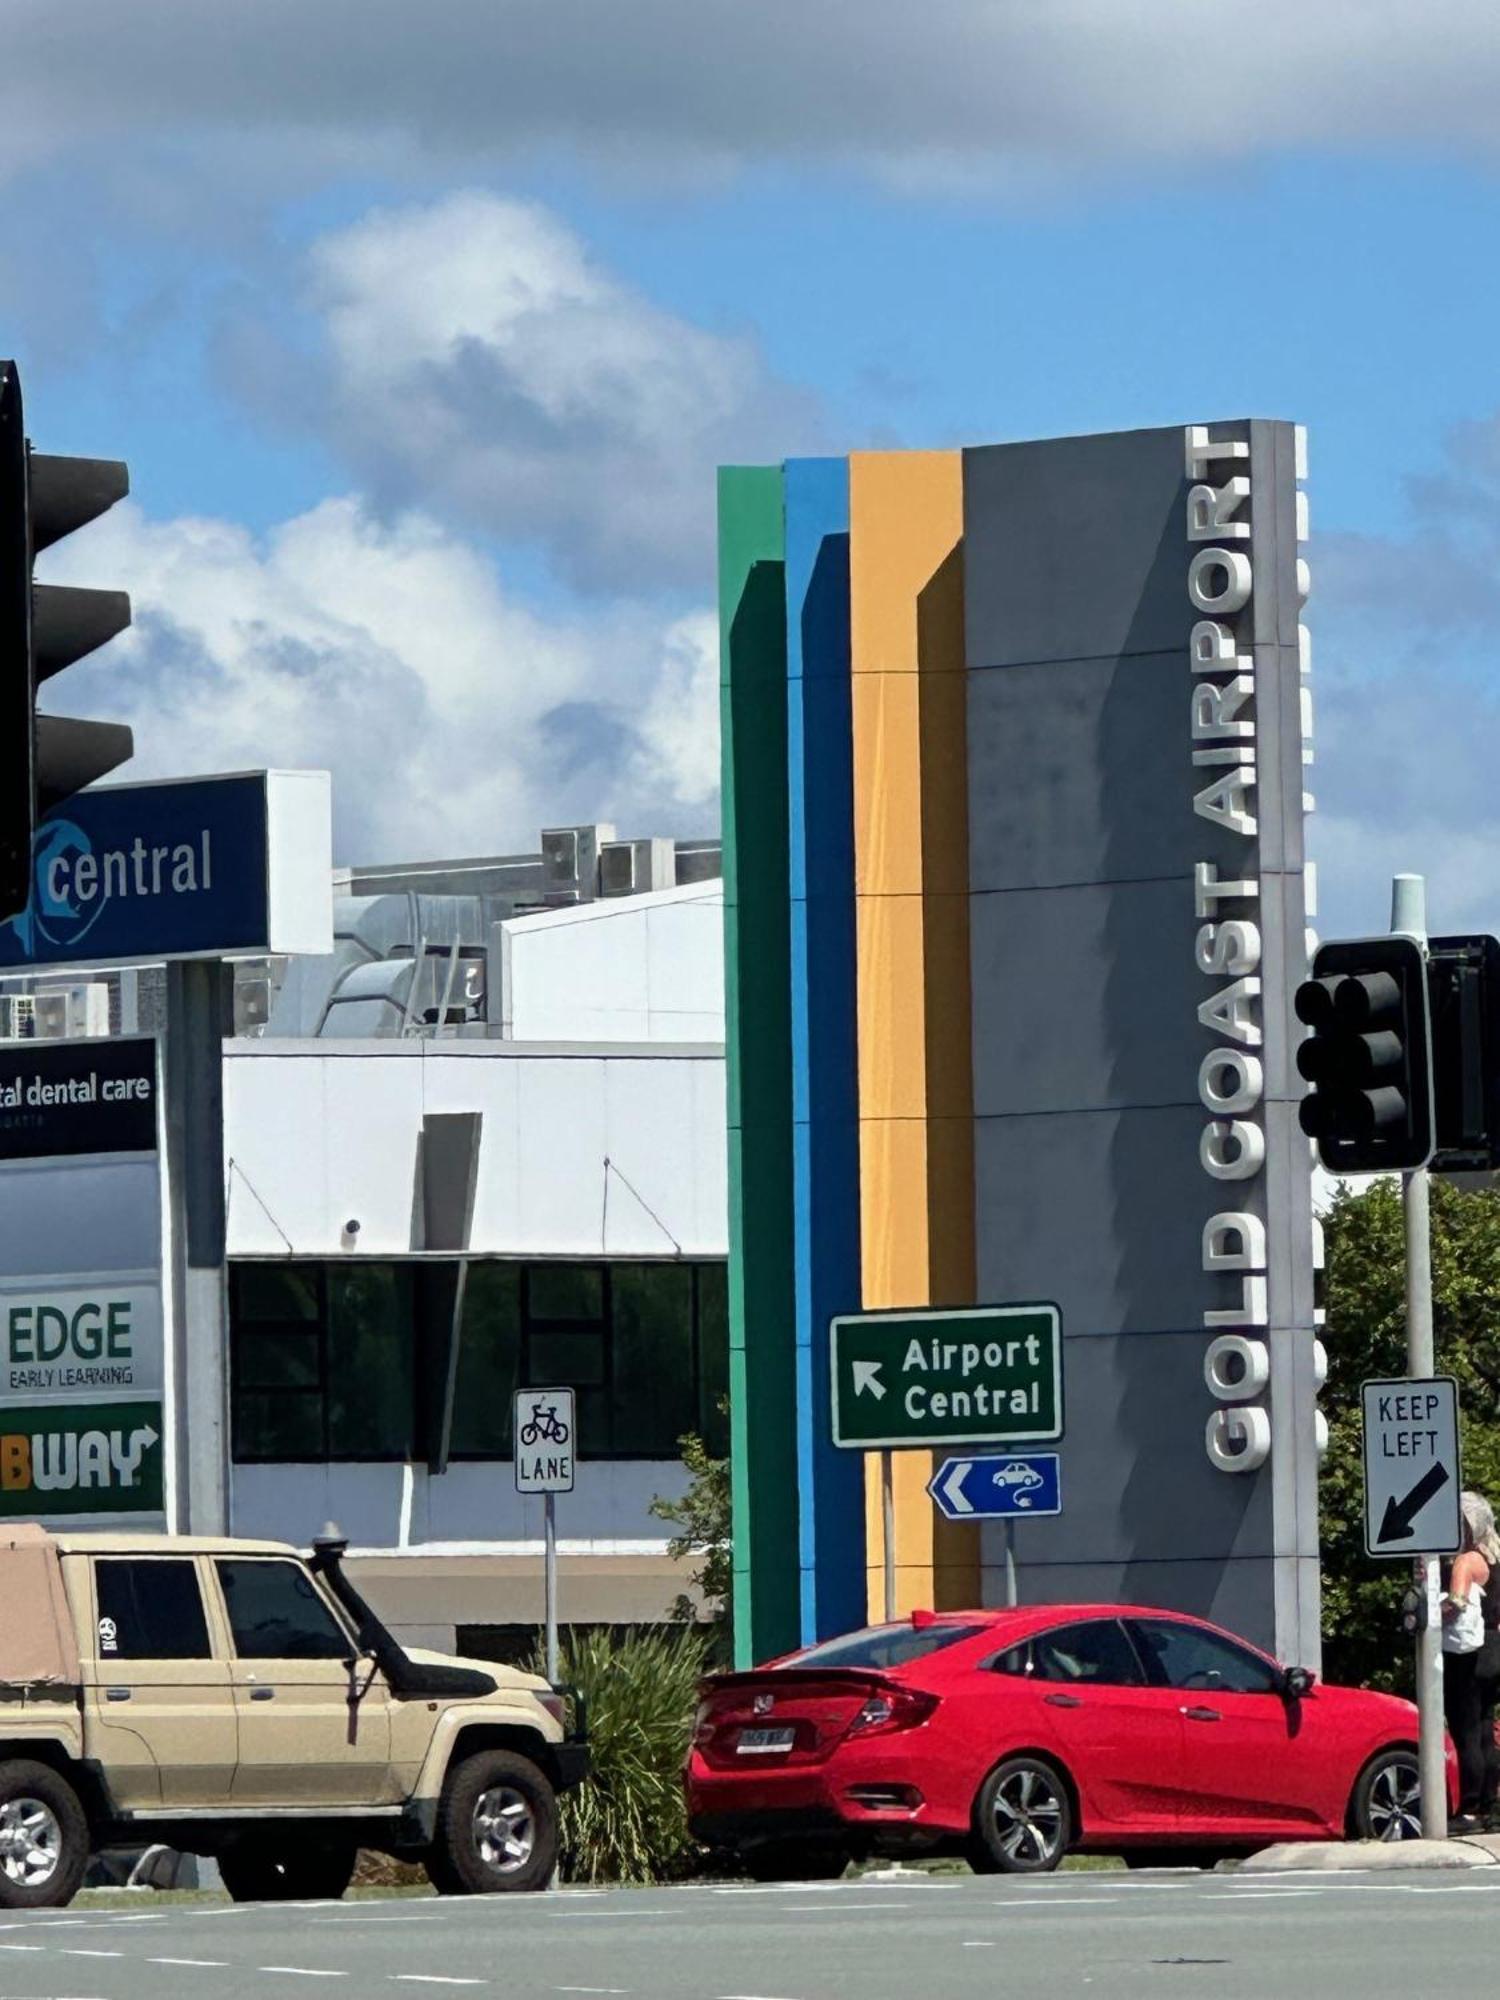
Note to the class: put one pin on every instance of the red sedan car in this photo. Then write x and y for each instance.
(1013, 1736)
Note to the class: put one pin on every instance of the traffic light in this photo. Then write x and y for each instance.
(1369, 1056)
(1463, 991)
(44, 759)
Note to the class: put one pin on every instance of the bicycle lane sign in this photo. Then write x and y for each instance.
(545, 1428)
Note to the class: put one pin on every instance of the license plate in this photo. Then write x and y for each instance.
(760, 1742)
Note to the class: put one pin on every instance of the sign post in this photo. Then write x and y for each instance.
(1409, 917)
(544, 1458)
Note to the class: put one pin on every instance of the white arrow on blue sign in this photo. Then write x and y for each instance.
(1000, 1486)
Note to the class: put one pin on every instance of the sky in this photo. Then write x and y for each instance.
(424, 329)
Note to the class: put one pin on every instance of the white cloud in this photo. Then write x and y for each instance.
(996, 91)
(391, 655)
(480, 363)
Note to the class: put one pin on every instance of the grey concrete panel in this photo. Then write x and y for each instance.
(1237, 1593)
(1136, 1483)
(58, 1217)
(1087, 999)
(1088, 773)
(1074, 547)
(1103, 1212)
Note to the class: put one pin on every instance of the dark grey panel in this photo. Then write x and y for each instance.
(1087, 999)
(1104, 1213)
(1136, 1482)
(1237, 1594)
(1088, 773)
(449, 1169)
(1074, 547)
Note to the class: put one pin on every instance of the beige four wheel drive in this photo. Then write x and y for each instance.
(240, 1700)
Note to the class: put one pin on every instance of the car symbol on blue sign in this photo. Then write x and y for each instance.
(999, 1486)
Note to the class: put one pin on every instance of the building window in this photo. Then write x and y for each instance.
(334, 1361)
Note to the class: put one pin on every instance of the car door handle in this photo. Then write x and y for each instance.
(1202, 1715)
(117, 1694)
(262, 1694)
(1062, 1701)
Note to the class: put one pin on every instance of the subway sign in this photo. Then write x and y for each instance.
(81, 1458)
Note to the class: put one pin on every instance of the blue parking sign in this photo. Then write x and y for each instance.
(1005, 1485)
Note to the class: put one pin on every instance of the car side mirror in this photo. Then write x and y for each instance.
(1298, 1681)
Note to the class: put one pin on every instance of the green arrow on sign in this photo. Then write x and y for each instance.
(972, 1375)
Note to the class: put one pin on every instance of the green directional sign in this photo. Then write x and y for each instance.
(974, 1375)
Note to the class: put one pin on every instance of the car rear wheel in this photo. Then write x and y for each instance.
(44, 1838)
(1387, 1801)
(497, 1828)
(1023, 1819)
(794, 1861)
(275, 1870)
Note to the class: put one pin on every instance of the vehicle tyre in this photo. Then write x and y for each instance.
(1023, 1819)
(1174, 1857)
(263, 1870)
(44, 1837)
(794, 1861)
(1387, 1802)
(496, 1827)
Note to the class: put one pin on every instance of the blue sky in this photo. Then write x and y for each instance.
(422, 341)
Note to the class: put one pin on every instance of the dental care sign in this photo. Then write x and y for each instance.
(214, 867)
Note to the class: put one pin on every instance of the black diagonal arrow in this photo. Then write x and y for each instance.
(1396, 1526)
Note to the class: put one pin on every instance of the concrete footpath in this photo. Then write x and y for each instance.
(1479, 1850)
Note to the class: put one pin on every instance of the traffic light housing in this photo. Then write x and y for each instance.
(1368, 1056)
(44, 759)
(1463, 990)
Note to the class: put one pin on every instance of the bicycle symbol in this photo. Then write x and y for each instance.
(545, 1426)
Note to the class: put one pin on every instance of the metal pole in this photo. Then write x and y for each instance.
(888, 1536)
(549, 1531)
(1012, 1593)
(1409, 917)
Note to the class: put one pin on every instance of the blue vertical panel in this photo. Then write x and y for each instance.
(825, 1102)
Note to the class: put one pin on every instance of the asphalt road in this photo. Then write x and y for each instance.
(1106, 1934)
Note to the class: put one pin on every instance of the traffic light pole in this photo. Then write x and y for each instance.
(1409, 918)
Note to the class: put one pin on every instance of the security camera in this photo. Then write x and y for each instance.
(351, 1227)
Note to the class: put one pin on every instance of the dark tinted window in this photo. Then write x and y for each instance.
(1098, 1651)
(884, 1646)
(1184, 1656)
(149, 1610)
(275, 1614)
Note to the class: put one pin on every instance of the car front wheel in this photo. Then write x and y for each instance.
(1387, 1802)
(497, 1827)
(1023, 1819)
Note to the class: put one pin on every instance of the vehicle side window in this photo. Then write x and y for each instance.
(1186, 1656)
(1098, 1651)
(276, 1614)
(1016, 1662)
(149, 1610)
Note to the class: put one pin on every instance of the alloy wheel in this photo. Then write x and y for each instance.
(1029, 1814)
(1395, 1809)
(30, 1842)
(504, 1830)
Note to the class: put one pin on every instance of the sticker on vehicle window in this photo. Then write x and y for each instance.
(109, 1636)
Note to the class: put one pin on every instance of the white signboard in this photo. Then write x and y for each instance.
(1412, 1477)
(96, 1338)
(545, 1427)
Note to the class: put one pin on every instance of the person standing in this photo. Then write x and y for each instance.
(1463, 1642)
(1487, 1661)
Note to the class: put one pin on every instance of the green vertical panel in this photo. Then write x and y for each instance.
(762, 1381)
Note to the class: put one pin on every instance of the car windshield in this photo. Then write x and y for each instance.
(883, 1646)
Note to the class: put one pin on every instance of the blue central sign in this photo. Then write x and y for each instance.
(1003, 1485)
(184, 870)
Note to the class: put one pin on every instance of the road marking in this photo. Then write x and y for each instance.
(591, 1989)
(83, 1951)
(1251, 1895)
(437, 1979)
(828, 1910)
(22, 1947)
(979, 1944)
(1050, 1903)
(205, 1962)
(304, 1971)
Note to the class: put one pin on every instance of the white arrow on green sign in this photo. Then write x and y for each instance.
(967, 1375)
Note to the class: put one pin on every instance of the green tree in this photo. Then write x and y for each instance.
(702, 1520)
(1366, 1336)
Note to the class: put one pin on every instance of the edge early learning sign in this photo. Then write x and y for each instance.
(972, 1375)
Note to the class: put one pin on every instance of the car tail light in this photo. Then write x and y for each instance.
(890, 1709)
